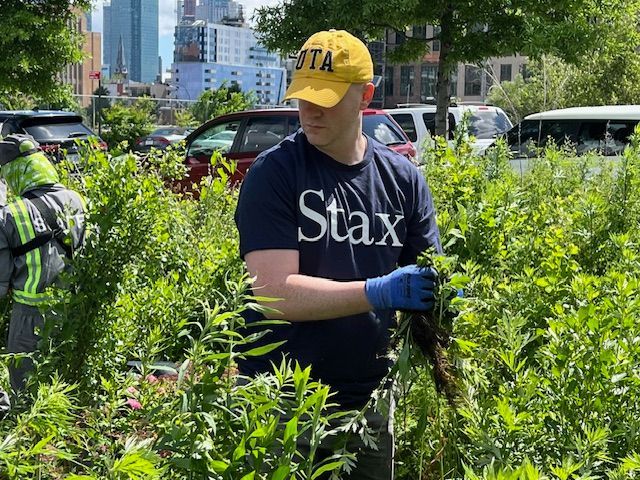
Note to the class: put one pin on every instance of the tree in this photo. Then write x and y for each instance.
(470, 31)
(37, 42)
(213, 103)
(184, 118)
(545, 88)
(609, 75)
(60, 98)
(127, 123)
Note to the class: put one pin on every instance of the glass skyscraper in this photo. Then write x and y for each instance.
(136, 21)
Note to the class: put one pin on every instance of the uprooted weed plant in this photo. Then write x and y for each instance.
(544, 347)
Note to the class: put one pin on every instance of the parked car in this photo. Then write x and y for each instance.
(56, 131)
(161, 138)
(242, 136)
(486, 122)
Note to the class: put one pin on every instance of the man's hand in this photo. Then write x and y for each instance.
(407, 288)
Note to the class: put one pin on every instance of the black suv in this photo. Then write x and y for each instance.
(54, 130)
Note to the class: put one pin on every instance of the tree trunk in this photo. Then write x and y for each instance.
(444, 74)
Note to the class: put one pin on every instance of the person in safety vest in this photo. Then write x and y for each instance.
(40, 229)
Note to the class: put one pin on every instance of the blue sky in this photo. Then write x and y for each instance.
(167, 22)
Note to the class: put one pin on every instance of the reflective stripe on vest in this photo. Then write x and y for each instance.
(33, 258)
(32, 299)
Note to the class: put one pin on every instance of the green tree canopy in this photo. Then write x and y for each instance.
(127, 123)
(213, 103)
(37, 42)
(469, 31)
(608, 75)
(60, 98)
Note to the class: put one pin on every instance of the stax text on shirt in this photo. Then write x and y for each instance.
(359, 226)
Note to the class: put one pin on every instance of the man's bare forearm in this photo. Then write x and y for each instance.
(307, 298)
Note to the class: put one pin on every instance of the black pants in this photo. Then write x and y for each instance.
(371, 464)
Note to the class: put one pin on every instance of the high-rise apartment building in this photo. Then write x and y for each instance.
(215, 11)
(136, 23)
(208, 55)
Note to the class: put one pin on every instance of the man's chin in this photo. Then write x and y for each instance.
(315, 139)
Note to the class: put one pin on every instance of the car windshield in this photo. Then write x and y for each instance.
(169, 131)
(57, 131)
(488, 124)
(380, 127)
(218, 137)
(224, 135)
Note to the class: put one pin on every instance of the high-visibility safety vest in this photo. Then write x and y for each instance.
(33, 252)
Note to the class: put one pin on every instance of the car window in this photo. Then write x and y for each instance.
(405, 120)
(524, 137)
(618, 136)
(380, 127)
(562, 132)
(485, 124)
(7, 128)
(168, 131)
(430, 122)
(262, 133)
(527, 130)
(591, 136)
(217, 137)
(57, 131)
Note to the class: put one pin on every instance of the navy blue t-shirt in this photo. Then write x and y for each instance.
(348, 222)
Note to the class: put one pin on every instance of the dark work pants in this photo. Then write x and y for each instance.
(23, 339)
(371, 464)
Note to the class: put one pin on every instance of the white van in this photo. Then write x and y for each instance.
(486, 122)
(605, 130)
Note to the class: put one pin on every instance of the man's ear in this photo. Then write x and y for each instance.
(367, 95)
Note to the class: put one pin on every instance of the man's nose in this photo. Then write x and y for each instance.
(309, 108)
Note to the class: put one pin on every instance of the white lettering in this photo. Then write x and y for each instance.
(391, 229)
(312, 215)
(363, 227)
(358, 228)
(334, 221)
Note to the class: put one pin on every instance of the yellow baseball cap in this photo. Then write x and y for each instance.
(328, 63)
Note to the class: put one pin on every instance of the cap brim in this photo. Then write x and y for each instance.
(323, 93)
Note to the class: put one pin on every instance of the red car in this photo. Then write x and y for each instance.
(242, 136)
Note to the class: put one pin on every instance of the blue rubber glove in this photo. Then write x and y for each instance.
(407, 288)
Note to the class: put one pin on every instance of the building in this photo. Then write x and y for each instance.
(208, 55)
(77, 74)
(136, 23)
(416, 82)
(218, 11)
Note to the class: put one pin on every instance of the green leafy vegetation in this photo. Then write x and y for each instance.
(216, 102)
(136, 378)
(37, 44)
(123, 123)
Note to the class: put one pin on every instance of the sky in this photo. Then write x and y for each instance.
(167, 22)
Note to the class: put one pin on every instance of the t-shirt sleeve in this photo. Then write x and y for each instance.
(422, 229)
(266, 210)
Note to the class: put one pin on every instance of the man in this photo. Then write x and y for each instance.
(39, 231)
(331, 222)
